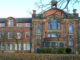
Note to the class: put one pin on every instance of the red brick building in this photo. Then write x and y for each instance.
(53, 28)
(15, 34)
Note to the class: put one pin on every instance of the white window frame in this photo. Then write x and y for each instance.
(11, 46)
(26, 34)
(9, 35)
(27, 46)
(2, 46)
(10, 23)
(18, 35)
(54, 35)
(19, 25)
(15, 46)
(27, 25)
(2, 25)
(49, 35)
(20, 46)
(1, 34)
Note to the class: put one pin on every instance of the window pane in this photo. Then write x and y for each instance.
(25, 47)
(11, 46)
(8, 46)
(49, 35)
(2, 25)
(27, 25)
(2, 46)
(71, 41)
(54, 24)
(38, 41)
(10, 23)
(1, 34)
(18, 35)
(70, 28)
(15, 46)
(53, 44)
(28, 46)
(47, 44)
(59, 26)
(20, 46)
(27, 34)
(19, 25)
(9, 35)
(59, 35)
(38, 29)
(54, 35)
(61, 45)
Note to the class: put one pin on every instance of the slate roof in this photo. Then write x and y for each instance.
(23, 20)
(37, 16)
(2, 20)
(18, 20)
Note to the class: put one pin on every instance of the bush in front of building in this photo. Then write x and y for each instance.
(68, 50)
(47, 50)
(61, 50)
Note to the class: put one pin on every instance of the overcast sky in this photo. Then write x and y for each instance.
(19, 8)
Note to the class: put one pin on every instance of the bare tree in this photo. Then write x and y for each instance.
(62, 4)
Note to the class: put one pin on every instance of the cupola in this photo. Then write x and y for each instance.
(54, 4)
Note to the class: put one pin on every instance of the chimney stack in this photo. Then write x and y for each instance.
(34, 11)
(74, 11)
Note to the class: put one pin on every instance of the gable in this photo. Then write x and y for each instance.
(54, 11)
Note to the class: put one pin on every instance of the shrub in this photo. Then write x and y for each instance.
(68, 50)
(61, 50)
(47, 50)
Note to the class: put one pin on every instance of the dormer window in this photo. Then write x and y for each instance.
(2, 25)
(10, 23)
(27, 24)
(19, 25)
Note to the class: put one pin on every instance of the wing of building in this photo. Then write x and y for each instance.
(55, 28)
(15, 34)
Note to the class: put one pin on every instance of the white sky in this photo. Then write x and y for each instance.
(21, 8)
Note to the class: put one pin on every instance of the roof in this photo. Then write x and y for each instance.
(18, 20)
(37, 16)
(2, 20)
(23, 20)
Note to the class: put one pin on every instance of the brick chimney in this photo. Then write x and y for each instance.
(34, 11)
(74, 11)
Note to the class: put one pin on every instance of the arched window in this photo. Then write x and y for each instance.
(70, 28)
(38, 29)
(10, 23)
(54, 24)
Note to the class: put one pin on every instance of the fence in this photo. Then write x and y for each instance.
(9, 56)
